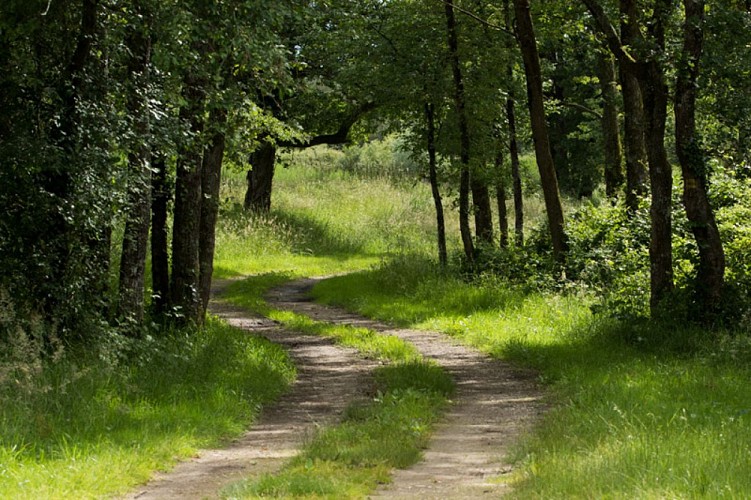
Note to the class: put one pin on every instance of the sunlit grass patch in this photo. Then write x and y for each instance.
(87, 427)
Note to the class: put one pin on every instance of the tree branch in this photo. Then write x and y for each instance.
(477, 18)
(338, 137)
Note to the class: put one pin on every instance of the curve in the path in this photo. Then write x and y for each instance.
(494, 404)
(329, 377)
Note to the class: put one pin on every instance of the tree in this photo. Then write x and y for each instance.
(136, 235)
(528, 45)
(459, 102)
(693, 164)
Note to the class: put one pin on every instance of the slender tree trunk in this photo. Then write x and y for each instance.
(184, 286)
(136, 236)
(655, 94)
(693, 165)
(610, 129)
(211, 173)
(528, 45)
(464, 180)
(634, 122)
(440, 223)
(260, 178)
(483, 212)
(500, 196)
(513, 147)
(516, 177)
(160, 197)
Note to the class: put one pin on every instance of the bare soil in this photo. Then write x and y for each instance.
(495, 403)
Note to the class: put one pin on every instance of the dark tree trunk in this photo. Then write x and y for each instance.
(211, 173)
(440, 223)
(464, 180)
(528, 45)
(655, 94)
(693, 166)
(634, 121)
(483, 212)
(260, 178)
(136, 236)
(611, 134)
(184, 286)
(655, 99)
(160, 197)
(513, 147)
(500, 196)
(515, 174)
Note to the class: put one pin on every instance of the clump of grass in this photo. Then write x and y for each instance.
(645, 409)
(92, 427)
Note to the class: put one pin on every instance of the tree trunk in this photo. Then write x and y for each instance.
(260, 178)
(187, 214)
(440, 223)
(160, 196)
(513, 147)
(136, 236)
(693, 165)
(500, 196)
(516, 177)
(610, 130)
(528, 45)
(655, 93)
(634, 121)
(211, 172)
(464, 180)
(483, 212)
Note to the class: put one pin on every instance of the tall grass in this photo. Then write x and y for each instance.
(322, 222)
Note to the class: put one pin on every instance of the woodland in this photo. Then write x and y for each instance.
(565, 185)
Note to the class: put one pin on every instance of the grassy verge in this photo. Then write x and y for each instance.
(644, 410)
(82, 427)
(389, 431)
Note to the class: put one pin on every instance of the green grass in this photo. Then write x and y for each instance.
(83, 428)
(641, 410)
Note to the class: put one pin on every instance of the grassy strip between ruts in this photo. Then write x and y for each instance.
(86, 428)
(645, 410)
(352, 458)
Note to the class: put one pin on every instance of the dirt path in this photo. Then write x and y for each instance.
(329, 378)
(494, 404)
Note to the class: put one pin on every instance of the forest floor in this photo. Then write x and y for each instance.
(494, 404)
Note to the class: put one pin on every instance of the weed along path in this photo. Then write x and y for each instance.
(329, 377)
(494, 404)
